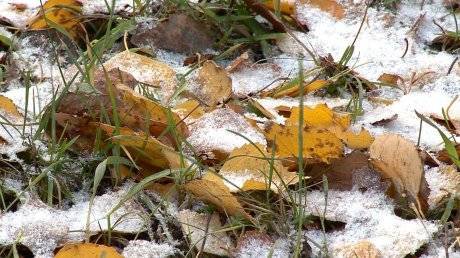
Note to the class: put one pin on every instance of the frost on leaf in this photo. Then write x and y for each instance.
(87, 250)
(362, 249)
(205, 228)
(252, 168)
(398, 160)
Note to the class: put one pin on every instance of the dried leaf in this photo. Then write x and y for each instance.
(285, 6)
(362, 249)
(7, 106)
(398, 160)
(330, 6)
(214, 84)
(179, 33)
(63, 14)
(199, 227)
(189, 109)
(249, 169)
(452, 124)
(361, 140)
(391, 79)
(144, 69)
(295, 90)
(211, 188)
(87, 250)
(444, 157)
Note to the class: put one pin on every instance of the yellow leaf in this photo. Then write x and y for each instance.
(318, 117)
(63, 13)
(361, 249)
(318, 144)
(9, 107)
(398, 160)
(145, 150)
(285, 6)
(295, 90)
(144, 69)
(87, 250)
(211, 188)
(330, 6)
(249, 169)
(190, 109)
(361, 140)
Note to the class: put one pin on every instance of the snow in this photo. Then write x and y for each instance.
(212, 132)
(368, 216)
(146, 249)
(42, 228)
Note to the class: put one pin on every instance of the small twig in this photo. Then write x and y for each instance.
(452, 65)
(406, 49)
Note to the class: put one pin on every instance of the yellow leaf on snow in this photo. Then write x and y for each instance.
(87, 250)
(199, 227)
(330, 6)
(211, 188)
(285, 6)
(214, 84)
(7, 106)
(144, 69)
(398, 160)
(248, 168)
(61, 13)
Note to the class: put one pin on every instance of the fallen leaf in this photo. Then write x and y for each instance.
(8, 107)
(200, 227)
(145, 70)
(361, 140)
(294, 91)
(189, 109)
(285, 6)
(391, 79)
(87, 250)
(261, 109)
(361, 249)
(444, 157)
(211, 188)
(451, 184)
(249, 168)
(214, 85)
(451, 124)
(398, 160)
(63, 14)
(179, 33)
(341, 173)
(330, 6)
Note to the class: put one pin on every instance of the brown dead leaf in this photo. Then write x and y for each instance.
(205, 228)
(341, 172)
(87, 250)
(444, 157)
(63, 13)
(214, 84)
(391, 79)
(179, 33)
(189, 109)
(361, 249)
(330, 6)
(248, 168)
(452, 125)
(211, 188)
(397, 159)
(261, 109)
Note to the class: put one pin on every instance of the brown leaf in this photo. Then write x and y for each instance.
(330, 6)
(444, 157)
(179, 33)
(341, 172)
(397, 159)
(214, 84)
(249, 168)
(361, 249)
(211, 188)
(392, 79)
